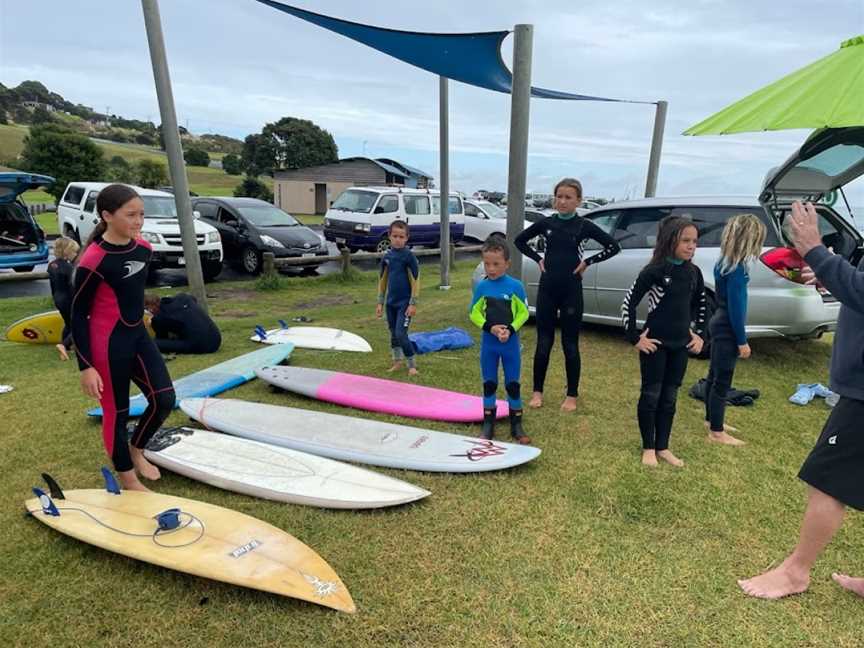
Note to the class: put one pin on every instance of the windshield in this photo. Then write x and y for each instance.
(356, 201)
(159, 207)
(455, 207)
(493, 210)
(267, 216)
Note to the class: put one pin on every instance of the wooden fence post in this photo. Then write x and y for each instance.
(268, 267)
(346, 261)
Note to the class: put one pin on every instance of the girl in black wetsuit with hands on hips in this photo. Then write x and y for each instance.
(559, 296)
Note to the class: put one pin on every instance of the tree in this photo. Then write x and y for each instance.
(196, 157)
(41, 116)
(56, 151)
(289, 143)
(119, 170)
(151, 174)
(232, 165)
(253, 188)
(145, 138)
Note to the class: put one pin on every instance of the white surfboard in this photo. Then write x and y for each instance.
(360, 440)
(275, 473)
(313, 337)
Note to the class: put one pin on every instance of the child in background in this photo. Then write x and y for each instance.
(676, 300)
(60, 272)
(740, 244)
(398, 290)
(111, 342)
(499, 307)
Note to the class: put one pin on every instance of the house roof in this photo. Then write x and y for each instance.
(411, 170)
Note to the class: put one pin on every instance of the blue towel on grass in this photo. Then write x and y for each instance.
(449, 338)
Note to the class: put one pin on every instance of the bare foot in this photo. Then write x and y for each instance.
(855, 585)
(724, 438)
(396, 367)
(726, 428)
(412, 371)
(62, 351)
(129, 481)
(146, 469)
(776, 583)
(649, 458)
(536, 400)
(668, 457)
(569, 404)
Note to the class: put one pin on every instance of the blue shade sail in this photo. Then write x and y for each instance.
(474, 59)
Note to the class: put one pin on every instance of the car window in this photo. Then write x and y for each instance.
(637, 228)
(226, 216)
(838, 239)
(356, 201)
(605, 221)
(388, 204)
(471, 210)
(454, 205)
(263, 215)
(710, 221)
(90, 204)
(416, 205)
(73, 195)
(206, 209)
(534, 216)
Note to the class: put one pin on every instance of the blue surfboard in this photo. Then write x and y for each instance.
(216, 379)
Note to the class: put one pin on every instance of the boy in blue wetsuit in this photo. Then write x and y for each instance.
(398, 289)
(499, 307)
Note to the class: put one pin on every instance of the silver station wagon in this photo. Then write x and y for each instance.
(780, 304)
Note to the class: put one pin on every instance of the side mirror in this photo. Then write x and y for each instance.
(196, 214)
(379, 209)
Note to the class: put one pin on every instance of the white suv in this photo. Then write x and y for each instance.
(76, 218)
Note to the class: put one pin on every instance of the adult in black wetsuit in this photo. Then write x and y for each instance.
(559, 296)
(181, 325)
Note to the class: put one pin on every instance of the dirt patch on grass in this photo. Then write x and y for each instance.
(325, 300)
(234, 294)
(237, 313)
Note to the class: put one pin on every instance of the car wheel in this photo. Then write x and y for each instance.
(250, 259)
(211, 270)
(24, 268)
(383, 244)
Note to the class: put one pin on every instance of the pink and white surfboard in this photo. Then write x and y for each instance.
(379, 395)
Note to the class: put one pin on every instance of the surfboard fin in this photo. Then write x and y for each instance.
(260, 332)
(283, 324)
(47, 504)
(111, 484)
(53, 486)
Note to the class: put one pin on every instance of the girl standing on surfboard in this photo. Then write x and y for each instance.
(109, 334)
(559, 296)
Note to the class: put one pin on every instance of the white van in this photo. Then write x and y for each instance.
(360, 217)
(77, 216)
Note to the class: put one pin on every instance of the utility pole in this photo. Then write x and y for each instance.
(174, 149)
(520, 104)
(656, 149)
(444, 188)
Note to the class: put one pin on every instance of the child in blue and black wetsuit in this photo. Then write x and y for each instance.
(398, 290)
(740, 244)
(499, 307)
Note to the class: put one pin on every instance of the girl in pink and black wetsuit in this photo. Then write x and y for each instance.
(108, 330)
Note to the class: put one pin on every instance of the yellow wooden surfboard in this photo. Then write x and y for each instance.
(46, 328)
(208, 541)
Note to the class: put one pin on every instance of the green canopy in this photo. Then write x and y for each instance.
(826, 94)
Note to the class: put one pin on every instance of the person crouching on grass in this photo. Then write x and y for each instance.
(500, 307)
(676, 299)
(398, 290)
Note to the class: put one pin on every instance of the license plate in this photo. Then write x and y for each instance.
(306, 255)
(340, 240)
(181, 260)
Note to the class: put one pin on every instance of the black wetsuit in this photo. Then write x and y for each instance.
(109, 334)
(182, 326)
(676, 305)
(60, 272)
(559, 296)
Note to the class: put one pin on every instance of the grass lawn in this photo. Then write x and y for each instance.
(582, 547)
(48, 222)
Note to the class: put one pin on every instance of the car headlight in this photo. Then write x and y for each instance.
(270, 241)
(327, 222)
(362, 227)
(33, 247)
(213, 237)
(151, 237)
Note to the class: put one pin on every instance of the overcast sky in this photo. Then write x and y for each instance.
(237, 64)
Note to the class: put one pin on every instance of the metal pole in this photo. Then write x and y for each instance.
(444, 181)
(173, 148)
(520, 103)
(656, 149)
